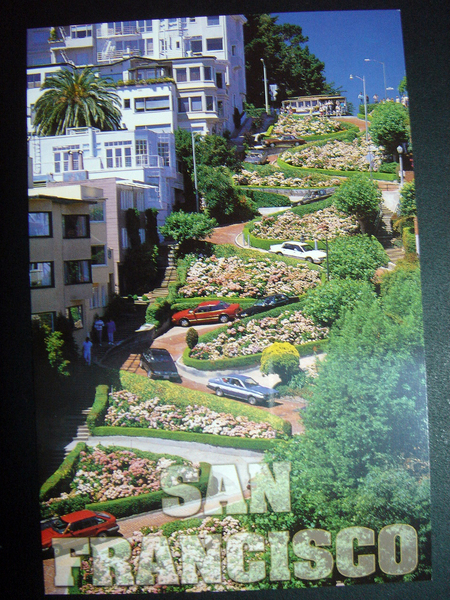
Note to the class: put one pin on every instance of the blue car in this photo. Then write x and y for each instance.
(242, 387)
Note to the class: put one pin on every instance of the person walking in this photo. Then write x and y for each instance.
(87, 345)
(110, 328)
(98, 325)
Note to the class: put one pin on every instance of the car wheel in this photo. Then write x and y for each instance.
(56, 550)
(149, 374)
(272, 145)
(224, 319)
(309, 259)
(141, 364)
(252, 400)
(219, 392)
(279, 253)
(102, 535)
(184, 323)
(296, 144)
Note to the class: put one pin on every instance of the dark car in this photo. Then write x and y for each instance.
(242, 387)
(82, 523)
(214, 310)
(268, 303)
(283, 140)
(159, 364)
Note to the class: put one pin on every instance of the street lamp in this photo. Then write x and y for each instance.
(384, 72)
(195, 171)
(363, 79)
(400, 156)
(266, 92)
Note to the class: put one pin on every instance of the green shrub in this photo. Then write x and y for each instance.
(158, 313)
(408, 200)
(60, 480)
(266, 199)
(99, 408)
(281, 358)
(302, 171)
(191, 338)
(355, 257)
(388, 167)
(409, 242)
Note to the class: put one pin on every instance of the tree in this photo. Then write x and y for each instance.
(360, 197)
(408, 206)
(403, 86)
(355, 257)
(77, 98)
(140, 268)
(187, 227)
(281, 358)
(389, 126)
(289, 65)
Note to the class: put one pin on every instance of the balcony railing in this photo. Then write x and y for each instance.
(113, 31)
(115, 54)
(147, 160)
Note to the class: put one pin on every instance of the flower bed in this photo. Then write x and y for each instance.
(130, 410)
(338, 155)
(279, 179)
(252, 336)
(306, 126)
(224, 527)
(328, 222)
(107, 474)
(254, 278)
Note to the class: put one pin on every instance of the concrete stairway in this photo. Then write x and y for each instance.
(386, 237)
(170, 274)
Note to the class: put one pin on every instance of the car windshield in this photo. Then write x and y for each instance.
(158, 357)
(260, 302)
(307, 247)
(249, 382)
(59, 525)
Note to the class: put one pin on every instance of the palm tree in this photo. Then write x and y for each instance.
(77, 98)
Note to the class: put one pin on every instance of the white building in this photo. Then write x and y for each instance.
(203, 55)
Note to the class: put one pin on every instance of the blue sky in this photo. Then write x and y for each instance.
(343, 39)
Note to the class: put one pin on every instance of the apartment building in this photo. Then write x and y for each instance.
(71, 265)
(203, 55)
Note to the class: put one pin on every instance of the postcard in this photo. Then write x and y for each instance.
(227, 323)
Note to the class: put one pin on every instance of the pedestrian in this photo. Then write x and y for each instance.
(98, 325)
(110, 328)
(375, 99)
(87, 345)
(361, 98)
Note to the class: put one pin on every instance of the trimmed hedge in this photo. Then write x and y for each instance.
(239, 362)
(409, 241)
(133, 505)
(98, 410)
(200, 438)
(59, 482)
(301, 171)
(265, 199)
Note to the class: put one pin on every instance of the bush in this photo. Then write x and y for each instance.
(409, 242)
(281, 358)
(388, 167)
(99, 408)
(59, 482)
(360, 197)
(158, 313)
(408, 206)
(355, 257)
(191, 337)
(116, 308)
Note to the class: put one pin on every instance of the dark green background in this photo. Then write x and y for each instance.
(426, 34)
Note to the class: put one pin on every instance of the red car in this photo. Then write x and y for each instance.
(83, 523)
(214, 310)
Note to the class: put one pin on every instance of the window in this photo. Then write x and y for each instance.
(220, 108)
(149, 43)
(45, 318)
(196, 103)
(196, 46)
(209, 103)
(142, 235)
(140, 200)
(40, 224)
(194, 73)
(99, 297)
(213, 44)
(75, 226)
(97, 212)
(80, 31)
(127, 156)
(213, 20)
(153, 103)
(207, 72)
(233, 50)
(183, 105)
(98, 255)
(141, 154)
(77, 271)
(34, 80)
(219, 80)
(126, 103)
(126, 199)
(75, 316)
(113, 158)
(181, 75)
(41, 275)
(163, 151)
(125, 242)
(66, 158)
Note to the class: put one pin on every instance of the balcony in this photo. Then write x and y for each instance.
(111, 55)
(147, 160)
(120, 30)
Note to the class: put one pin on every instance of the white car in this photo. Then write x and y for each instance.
(299, 250)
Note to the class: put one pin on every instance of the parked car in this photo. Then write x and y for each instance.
(214, 310)
(159, 364)
(268, 303)
(283, 140)
(299, 250)
(82, 523)
(242, 387)
(256, 157)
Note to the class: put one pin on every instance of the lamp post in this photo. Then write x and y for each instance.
(384, 72)
(363, 79)
(266, 92)
(195, 171)
(400, 157)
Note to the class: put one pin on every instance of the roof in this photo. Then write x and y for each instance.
(77, 516)
(37, 195)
